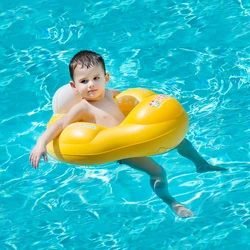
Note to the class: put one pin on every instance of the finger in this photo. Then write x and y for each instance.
(33, 162)
(37, 161)
(45, 157)
(30, 156)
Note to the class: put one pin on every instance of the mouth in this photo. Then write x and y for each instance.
(92, 90)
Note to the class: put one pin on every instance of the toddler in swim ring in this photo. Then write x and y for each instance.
(89, 78)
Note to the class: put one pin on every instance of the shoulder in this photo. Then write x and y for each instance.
(81, 107)
(76, 113)
(113, 92)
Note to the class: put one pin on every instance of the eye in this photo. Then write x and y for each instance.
(84, 81)
(96, 78)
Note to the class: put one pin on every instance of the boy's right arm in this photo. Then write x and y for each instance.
(76, 114)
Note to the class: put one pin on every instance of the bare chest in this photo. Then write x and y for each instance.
(106, 113)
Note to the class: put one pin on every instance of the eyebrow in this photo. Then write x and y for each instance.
(83, 78)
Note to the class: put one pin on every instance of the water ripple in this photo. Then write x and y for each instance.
(196, 51)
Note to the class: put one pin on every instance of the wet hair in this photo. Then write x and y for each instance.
(85, 58)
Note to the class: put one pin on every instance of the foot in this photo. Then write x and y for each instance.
(181, 210)
(208, 168)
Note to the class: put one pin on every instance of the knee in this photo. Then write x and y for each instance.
(185, 143)
(158, 184)
(159, 176)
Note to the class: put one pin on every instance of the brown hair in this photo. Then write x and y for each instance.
(85, 58)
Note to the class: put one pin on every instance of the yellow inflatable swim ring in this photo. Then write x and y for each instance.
(154, 124)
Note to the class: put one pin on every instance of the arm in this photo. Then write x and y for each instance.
(74, 115)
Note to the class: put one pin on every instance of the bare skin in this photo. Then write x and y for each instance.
(98, 106)
(158, 176)
(186, 149)
(158, 183)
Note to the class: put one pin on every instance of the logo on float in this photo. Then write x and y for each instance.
(158, 100)
(85, 125)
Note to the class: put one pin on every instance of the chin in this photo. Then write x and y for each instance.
(95, 97)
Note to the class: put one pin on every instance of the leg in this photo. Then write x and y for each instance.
(158, 182)
(186, 149)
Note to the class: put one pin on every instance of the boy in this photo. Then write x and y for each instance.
(89, 77)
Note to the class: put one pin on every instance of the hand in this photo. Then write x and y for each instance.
(36, 154)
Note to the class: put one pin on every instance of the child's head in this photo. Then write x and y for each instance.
(87, 59)
(89, 76)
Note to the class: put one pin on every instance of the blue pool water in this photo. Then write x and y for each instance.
(197, 51)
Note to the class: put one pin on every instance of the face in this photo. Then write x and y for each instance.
(90, 82)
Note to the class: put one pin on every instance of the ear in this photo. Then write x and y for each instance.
(107, 78)
(73, 86)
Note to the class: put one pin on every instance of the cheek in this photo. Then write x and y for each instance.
(82, 87)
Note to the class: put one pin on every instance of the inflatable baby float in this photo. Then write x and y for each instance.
(154, 124)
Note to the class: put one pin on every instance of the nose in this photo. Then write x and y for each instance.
(91, 84)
